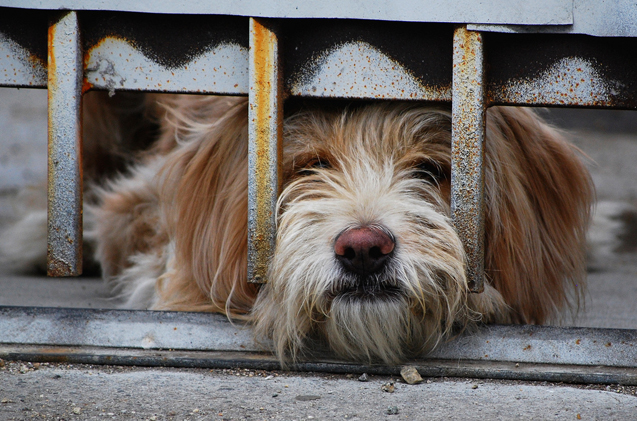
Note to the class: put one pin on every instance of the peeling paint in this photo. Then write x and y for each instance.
(114, 64)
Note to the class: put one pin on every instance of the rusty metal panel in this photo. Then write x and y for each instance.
(371, 60)
(561, 70)
(64, 252)
(265, 127)
(130, 51)
(538, 12)
(616, 18)
(23, 35)
(467, 150)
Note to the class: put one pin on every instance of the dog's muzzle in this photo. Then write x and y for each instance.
(364, 254)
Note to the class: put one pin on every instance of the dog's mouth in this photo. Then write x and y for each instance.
(366, 289)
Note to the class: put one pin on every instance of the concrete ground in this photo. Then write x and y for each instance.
(54, 391)
(84, 392)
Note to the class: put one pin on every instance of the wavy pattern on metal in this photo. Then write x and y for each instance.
(265, 127)
(359, 70)
(539, 12)
(114, 64)
(19, 67)
(64, 252)
(210, 332)
(561, 70)
(467, 150)
(569, 81)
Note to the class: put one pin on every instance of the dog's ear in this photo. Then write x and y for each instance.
(208, 177)
(538, 196)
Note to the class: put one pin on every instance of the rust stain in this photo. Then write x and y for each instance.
(467, 151)
(86, 86)
(267, 130)
(57, 267)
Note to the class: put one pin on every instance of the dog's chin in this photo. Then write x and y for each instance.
(371, 324)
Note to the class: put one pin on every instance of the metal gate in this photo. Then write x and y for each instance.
(554, 53)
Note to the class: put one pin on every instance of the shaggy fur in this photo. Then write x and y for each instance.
(171, 234)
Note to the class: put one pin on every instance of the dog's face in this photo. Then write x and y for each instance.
(366, 257)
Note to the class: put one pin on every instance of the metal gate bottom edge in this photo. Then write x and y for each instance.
(152, 338)
(501, 370)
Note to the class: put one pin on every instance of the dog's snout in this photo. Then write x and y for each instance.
(363, 250)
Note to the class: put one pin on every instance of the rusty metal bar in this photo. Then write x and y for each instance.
(64, 252)
(467, 150)
(260, 361)
(265, 122)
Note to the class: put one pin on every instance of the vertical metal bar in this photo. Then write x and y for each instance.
(467, 150)
(65, 75)
(265, 138)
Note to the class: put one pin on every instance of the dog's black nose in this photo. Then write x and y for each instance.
(363, 250)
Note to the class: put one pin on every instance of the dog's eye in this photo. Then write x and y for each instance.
(310, 167)
(430, 171)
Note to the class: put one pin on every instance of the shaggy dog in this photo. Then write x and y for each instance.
(367, 261)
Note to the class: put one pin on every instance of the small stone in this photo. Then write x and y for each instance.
(517, 364)
(475, 386)
(23, 369)
(392, 410)
(153, 418)
(5, 400)
(388, 387)
(363, 378)
(410, 374)
(36, 366)
(2, 364)
(274, 395)
(307, 397)
(76, 410)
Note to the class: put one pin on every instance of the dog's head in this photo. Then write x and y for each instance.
(367, 259)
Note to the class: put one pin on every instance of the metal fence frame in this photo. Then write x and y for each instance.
(88, 48)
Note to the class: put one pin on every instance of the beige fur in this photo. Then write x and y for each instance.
(172, 234)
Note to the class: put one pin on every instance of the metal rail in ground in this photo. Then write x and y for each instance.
(209, 340)
(555, 53)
